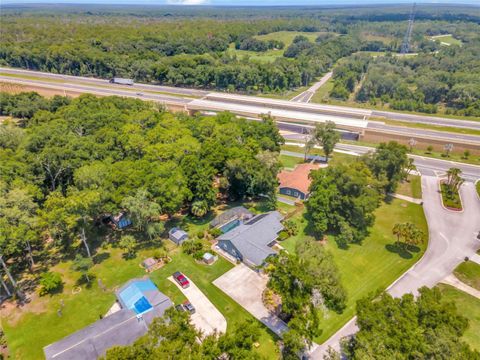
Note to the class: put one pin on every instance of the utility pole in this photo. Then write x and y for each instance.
(408, 35)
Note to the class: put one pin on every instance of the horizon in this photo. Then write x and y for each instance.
(243, 3)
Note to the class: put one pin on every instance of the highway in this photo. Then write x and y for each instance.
(352, 119)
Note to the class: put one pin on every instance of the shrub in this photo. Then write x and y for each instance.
(291, 227)
(50, 282)
(201, 234)
(283, 235)
(215, 232)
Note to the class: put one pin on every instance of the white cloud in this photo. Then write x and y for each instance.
(187, 2)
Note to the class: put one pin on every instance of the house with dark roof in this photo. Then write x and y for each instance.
(237, 213)
(296, 182)
(140, 301)
(252, 241)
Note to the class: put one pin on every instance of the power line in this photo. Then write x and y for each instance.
(406, 40)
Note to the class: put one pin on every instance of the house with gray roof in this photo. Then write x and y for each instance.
(252, 241)
(140, 301)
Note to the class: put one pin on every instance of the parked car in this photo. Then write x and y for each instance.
(189, 307)
(181, 279)
(180, 308)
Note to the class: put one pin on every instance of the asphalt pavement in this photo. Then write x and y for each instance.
(307, 95)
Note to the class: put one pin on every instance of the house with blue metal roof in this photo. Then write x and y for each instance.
(140, 301)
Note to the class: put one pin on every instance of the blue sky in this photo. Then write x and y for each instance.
(244, 2)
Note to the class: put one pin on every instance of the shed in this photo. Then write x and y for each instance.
(178, 236)
(208, 258)
(121, 221)
(149, 264)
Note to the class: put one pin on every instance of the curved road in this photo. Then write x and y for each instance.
(452, 236)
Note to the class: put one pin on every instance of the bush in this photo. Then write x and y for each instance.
(201, 234)
(283, 235)
(50, 282)
(215, 232)
(291, 227)
(196, 248)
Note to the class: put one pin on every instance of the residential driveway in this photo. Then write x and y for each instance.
(452, 236)
(206, 318)
(245, 286)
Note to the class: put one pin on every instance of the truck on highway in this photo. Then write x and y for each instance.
(121, 81)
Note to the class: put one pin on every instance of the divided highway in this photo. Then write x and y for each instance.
(347, 118)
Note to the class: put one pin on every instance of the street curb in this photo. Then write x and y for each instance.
(441, 199)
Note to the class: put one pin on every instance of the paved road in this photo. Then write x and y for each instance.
(426, 166)
(452, 236)
(301, 106)
(424, 119)
(96, 81)
(307, 95)
(452, 280)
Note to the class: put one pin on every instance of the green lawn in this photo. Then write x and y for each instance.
(447, 39)
(468, 306)
(450, 200)
(270, 55)
(469, 273)
(411, 187)
(321, 95)
(374, 264)
(40, 325)
(290, 161)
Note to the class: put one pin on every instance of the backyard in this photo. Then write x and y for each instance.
(40, 322)
(374, 264)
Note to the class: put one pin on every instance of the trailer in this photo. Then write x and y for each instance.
(121, 81)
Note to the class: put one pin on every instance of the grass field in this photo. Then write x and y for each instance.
(270, 55)
(38, 324)
(411, 187)
(374, 264)
(468, 306)
(290, 161)
(450, 199)
(447, 39)
(469, 273)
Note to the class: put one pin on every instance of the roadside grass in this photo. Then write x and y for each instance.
(411, 187)
(283, 95)
(450, 199)
(469, 273)
(372, 265)
(38, 324)
(290, 161)
(322, 94)
(450, 129)
(477, 186)
(469, 307)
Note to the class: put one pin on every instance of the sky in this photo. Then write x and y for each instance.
(244, 2)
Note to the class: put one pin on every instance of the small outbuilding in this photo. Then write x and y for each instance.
(121, 221)
(178, 236)
(149, 264)
(209, 258)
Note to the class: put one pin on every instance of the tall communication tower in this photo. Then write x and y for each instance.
(406, 40)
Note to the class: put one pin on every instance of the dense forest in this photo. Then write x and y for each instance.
(192, 48)
(69, 163)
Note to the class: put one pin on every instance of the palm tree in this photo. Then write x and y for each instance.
(454, 179)
(199, 208)
(399, 231)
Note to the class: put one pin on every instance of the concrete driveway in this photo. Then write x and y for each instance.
(245, 286)
(206, 318)
(452, 236)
